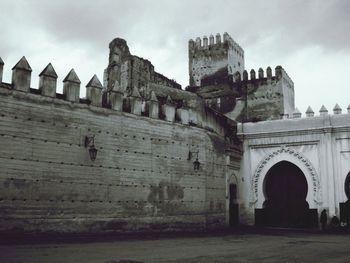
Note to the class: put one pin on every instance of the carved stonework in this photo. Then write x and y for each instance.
(299, 158)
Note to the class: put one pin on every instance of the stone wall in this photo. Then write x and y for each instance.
(142, 178)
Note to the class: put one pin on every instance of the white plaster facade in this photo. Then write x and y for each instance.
(319, 146)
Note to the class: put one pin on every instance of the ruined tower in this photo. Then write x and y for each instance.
(126, 71)
(213, 55)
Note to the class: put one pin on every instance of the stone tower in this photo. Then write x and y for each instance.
(213, 55)
(117, 69)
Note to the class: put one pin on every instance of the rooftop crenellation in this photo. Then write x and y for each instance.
(323, 112)
(217, 42)
(261, 75)
(97, 96)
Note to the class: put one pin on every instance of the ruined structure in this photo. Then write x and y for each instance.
(139, 153)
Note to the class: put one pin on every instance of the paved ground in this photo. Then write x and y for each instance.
(239, 247)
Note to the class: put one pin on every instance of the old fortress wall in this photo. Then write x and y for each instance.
(167, 158)
(143, 176)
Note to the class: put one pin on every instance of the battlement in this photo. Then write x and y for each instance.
(218, 42)
(213, 55)
(151, 101)
(337, 110)
(253, 75)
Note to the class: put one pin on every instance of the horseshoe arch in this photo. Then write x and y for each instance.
(293, 156)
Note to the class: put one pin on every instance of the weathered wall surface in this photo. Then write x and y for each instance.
(211, 56)
(141, 178)
(262, 97)
(131, 71)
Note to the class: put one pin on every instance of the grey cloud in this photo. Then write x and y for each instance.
(295, 23)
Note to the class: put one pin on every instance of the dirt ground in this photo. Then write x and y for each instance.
(239, 247)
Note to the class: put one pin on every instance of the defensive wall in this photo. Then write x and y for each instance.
(143, 177)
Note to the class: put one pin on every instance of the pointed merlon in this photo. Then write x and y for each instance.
(23, 64)
(72, 77)
(153, 96)
(135, 93)
(1, 61)
(49, 71)
(169, 101)
(309, 110)
(95, 82)
(323, 109)
(337, 107)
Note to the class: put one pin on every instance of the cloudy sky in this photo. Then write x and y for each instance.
(309, 38)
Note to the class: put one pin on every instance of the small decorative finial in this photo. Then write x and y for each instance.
(337, 109)
(323, 111)
(309, 112)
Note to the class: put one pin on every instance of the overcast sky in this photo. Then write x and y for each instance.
(309, 39)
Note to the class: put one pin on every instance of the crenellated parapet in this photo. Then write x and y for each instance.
(251, 96)
(152, 101)
(323, 112)
(261, 76)
(210, 55)
(206, 43)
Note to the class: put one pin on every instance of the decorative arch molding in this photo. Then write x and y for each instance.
(347, 186)
(286, 154)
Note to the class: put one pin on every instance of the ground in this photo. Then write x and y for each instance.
(234, 247)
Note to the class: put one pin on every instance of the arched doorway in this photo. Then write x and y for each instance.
(347, 186)
(345, 207)
(285, 190)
